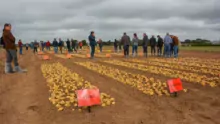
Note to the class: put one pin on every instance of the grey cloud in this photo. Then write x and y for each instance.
(46, 19)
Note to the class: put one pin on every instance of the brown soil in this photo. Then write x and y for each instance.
(24, 99)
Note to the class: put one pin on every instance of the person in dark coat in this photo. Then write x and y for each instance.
(126, 41)
(153, 44)
(73, 45)
(116, 45)
(145, 44)
(61, 44)
(68, 45)
(55, 45)
(159, 45)
(92, 43)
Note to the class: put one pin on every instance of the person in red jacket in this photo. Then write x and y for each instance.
(48, 45)
(20, 45)
(80, 45)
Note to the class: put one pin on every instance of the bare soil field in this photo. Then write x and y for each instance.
(24, 97)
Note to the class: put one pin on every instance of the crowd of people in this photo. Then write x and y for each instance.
(167, 46)
(169, 43)
(60, 45)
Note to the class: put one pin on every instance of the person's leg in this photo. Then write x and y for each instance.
(165, 51)
(160, 50)
(168, 47)
(136, 50)
(133, 47)
(93, 51)
(17, 68)
(125, 52)
(8, 67)
(154, 48)
(20, 50)
(175, 51)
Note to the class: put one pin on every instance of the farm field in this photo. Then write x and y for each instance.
(133, 90)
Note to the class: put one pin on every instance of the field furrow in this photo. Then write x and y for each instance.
(178, 66)
(191, 77)
(149, 86)
(188, 63)
(63, 84)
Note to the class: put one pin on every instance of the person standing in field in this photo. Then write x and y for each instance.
(116, 45)
(125, 40)
(92, 43)
(171, 47)
(119, 45)
(80, 45)
(73, 45)
(61, 45)
(20, 45)
(153, 45)
(135, 41)
(55, 45)
(68, 45)
(100, 45)
(167, 41)
(40, 45)
(145, 44)
(48, 45)
(26, 45)
(11, 54)
(35, 46)
(159, 45)
(175, 46)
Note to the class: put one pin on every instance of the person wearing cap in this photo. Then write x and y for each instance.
(92, 43)
(145, 44)
(11, 54)
(135, 41)
(153, 45)
(125, 40)
(159, 45)
(167, 41)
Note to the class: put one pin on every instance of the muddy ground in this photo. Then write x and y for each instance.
(24, 99)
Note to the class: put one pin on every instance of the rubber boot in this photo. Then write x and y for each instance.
(8, 68)
(19, 70)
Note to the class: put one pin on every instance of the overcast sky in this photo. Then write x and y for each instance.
(48, 19)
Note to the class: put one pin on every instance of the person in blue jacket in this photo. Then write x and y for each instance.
(92, 43)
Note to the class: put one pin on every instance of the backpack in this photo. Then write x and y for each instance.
(2, 42)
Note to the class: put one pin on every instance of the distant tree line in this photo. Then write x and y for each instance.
(198, 42)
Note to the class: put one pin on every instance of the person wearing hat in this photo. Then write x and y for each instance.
(11, 51)
(92, 43)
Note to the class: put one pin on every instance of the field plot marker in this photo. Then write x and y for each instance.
(175, 85)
